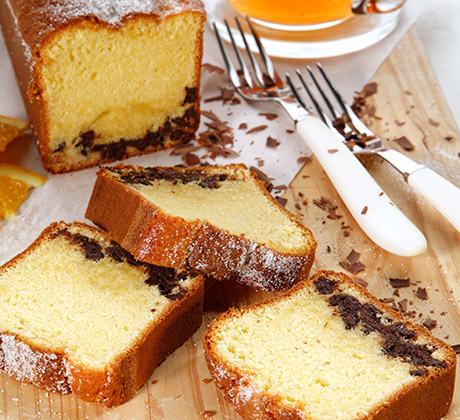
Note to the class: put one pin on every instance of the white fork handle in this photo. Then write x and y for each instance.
(440, 192)
(379, 218)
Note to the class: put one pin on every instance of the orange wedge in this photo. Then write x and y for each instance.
(12, 193)
(14, 185)
(10, 128)
(32, 179)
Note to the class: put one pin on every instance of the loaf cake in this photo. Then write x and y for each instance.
(219, 220)
(106, 79)
(79, 314)
(328, 350)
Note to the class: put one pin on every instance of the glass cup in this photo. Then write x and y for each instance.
(312, 28)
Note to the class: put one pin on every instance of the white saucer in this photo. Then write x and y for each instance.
(356, 33)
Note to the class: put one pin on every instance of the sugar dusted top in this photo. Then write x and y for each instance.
(39, 18)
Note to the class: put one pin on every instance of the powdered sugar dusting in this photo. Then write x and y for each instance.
(224, 256)
(110, 11)
(21, 362)
(37, 22)
(27, 52)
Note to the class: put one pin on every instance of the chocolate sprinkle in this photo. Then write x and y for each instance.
(271, 142)
(456, 348)
(281, 200)
(429, 323)
(269, 116)
(405, 143)
(257, 129)
(422, 294)
(398, 283)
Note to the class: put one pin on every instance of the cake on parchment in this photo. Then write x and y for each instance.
(103, 80)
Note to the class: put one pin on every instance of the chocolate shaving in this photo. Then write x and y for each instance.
(370, 89)
(257, 129)
(261, 175)
(353, 256)
(429, 323)
(387, 300)
(360, 106)
(271, 142)
(433, 122)
(210, 115)
(181, 150)
(405, 143)
(332, 151)
(398, 283)
(242, 126)
(364, 210)
(361, 282)
(356, 267)
(269, 116)
(281, 200)
(304, 159)
(403, 305)
(456, 348)
(191, 159)
(422, 294)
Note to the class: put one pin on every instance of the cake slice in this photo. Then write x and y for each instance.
(107, 79)
(79, 314)
(329, 350)
(219, 220)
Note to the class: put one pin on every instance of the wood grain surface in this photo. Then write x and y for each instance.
(408, 103)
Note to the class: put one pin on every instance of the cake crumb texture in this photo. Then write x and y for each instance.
(219, 220)
(80, 314)
(105, 80)
(309, 355)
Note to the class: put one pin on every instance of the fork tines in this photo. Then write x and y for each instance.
(262, 78)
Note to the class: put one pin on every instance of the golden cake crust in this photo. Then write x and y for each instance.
(29, 26)
(428, 398)
(154, 236)
(53, 371)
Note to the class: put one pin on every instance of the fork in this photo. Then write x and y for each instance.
(379, 218)
(349, 128)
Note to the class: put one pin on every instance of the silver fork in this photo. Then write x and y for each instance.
(379, 218)
(442, 194)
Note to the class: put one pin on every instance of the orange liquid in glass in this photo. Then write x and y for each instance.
(294, 12)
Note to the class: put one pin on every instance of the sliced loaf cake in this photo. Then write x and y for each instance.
(79, 314)
(328, 350)
(108, 79)
(219, 220)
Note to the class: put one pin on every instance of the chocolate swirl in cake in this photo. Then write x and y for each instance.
(397, 341)
(165, 278)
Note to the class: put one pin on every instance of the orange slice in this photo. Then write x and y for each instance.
(14, 185)
(10, 128)
(32, 179)
(12, 193)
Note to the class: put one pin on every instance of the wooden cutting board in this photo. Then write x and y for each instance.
(408, 103)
